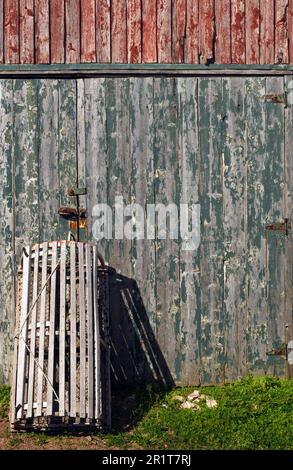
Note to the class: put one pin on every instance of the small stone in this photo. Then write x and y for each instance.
(194, 395)
(188, 405)
(89, 438)
(178, 398)
(211, 403)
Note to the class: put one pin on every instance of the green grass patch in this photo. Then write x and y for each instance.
(4, 401)
(251, 414)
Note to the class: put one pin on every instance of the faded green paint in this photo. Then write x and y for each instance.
(215, 312)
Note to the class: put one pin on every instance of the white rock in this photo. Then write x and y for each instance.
(194, 395)
(188, 405)
(179, 398)
(211, 403)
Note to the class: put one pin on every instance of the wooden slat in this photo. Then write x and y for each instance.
(90, 325)
(133, 31)
(118, 31)
(33, 321)
(51, 348)
(234, 229)
(62, 331)
(178, 30)
(190, 292)
(103, 31)
(97, 344)
(26, 32)
(267, 27)
(7, 226)
(257, 309)
(48, 151)
(164, 31)
(206, 31)
(281, 32)
(1, 31)
(88, 32)
(290, 30)
(57, 32)
(211, 247)
(22, 352)
(72, 25)
(289, 214)
(223, 31)
(149, 31)
(42, 320)
(73, 289)
(167, 250)
(11, 32)
(191, 53)
(252, 26)
(82, 332)
(238, 31)
(42, 34)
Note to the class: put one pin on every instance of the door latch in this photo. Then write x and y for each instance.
(282, 227)
(285, 351)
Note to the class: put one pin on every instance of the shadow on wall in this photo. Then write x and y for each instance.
(136, 357)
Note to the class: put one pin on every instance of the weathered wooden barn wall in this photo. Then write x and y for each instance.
(222, 142)
(131, 31)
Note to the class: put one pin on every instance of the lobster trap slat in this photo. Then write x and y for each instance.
(62, 339)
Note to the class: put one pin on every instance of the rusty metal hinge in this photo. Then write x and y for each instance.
(285, 351)
(283, 227)
(280, 99)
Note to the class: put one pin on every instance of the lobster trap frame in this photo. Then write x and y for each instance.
(62, 347)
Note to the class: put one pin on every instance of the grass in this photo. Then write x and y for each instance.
(4, 401)
(252, 413)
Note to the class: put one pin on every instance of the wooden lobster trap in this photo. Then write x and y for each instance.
(62, 355)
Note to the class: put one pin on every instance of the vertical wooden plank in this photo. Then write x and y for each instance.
(84, 234)
(26, 32)
(42, 329)
(67, 146)
(267, 28)
(167, 187)
(290, 30)
(274, 205)
(6, 228)
(119, 166)
(26, 163)
(164, 31)
(281, 32)
(73, 289)
(42, 32)
(72, 28)
(118, 31)
(52, 327)
(33, 325)
(93, 115)
(149, 31)
(190, 291)
(289, 214)
(57, 31)
(133, 32)
(238, 31)
(90, 344)
(82, 332)
(103, 31)
(252, 26)
(223, 31)
(1, 31)
(257, 161)
(97, 343)
(88, 30)
(22, 351)
(206, 31)
(178, 30)
(235, 228)
(142, 130)
(48, 150)
(211, 247)
(62, 331)
(191, 54)
(11, 31)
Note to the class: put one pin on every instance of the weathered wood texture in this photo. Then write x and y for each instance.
(223, 143)
(158, 31)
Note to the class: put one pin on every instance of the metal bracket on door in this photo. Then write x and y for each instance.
(285, 351)
(282, 227)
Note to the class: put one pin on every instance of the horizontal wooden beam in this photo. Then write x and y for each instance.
(90, 69)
